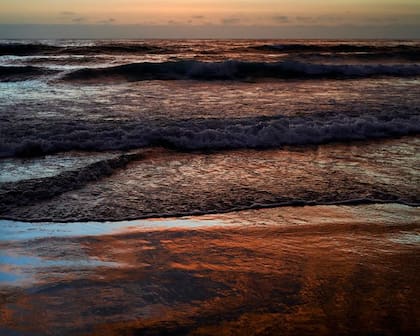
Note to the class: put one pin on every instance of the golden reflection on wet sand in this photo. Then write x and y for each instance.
(325, 270)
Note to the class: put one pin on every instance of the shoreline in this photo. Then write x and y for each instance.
(293, 204)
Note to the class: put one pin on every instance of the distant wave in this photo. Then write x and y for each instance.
(20, 73)
(339, 47)
(343, 52)
(376, 57)
(22, 49)
(203, 134)
(37, 48)
(237, 70)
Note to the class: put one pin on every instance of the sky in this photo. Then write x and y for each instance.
(205, 18)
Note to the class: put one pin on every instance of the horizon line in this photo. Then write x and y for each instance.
(211, 31)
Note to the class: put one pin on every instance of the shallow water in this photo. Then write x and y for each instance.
(164, 183)
(17, 269)
(14, 230)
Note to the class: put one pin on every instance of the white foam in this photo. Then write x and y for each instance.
(198, 134)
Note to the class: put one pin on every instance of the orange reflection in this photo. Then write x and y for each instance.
(294, 275)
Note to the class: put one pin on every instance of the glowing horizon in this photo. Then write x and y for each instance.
(205, 13)
(234, 12)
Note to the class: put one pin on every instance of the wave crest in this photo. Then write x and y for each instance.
(237, 70)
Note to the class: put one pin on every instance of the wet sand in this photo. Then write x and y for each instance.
(323, 270)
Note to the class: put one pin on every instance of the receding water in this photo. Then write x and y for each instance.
(20, 269)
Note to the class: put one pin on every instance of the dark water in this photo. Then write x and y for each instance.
(76, 112)
(97, 137)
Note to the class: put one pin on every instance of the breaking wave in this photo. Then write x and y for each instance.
(237, 70)
(203, 134)
(35, 190)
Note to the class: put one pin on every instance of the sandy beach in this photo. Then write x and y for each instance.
(325, 270)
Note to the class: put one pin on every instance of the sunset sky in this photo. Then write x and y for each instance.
(252, 15)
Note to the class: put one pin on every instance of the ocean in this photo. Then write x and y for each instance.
(287, 159)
